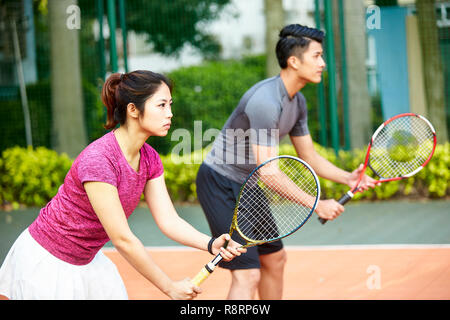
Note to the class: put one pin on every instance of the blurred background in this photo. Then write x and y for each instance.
(384, 57)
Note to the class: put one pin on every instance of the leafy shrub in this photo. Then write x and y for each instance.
(432, 181)
(32, 176)
(209, 93)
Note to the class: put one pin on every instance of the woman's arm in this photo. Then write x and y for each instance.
(105, 201)
(176, 228)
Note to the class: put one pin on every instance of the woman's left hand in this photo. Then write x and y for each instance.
(232, 250)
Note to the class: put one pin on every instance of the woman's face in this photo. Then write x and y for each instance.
(158, 112)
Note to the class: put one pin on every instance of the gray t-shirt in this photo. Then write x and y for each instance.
(264, 115)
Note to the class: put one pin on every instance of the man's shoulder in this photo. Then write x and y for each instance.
(301, 100)
(264, 92)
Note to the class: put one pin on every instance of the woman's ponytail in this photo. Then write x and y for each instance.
(109, 98)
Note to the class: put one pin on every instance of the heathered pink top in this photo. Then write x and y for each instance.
(67, 226)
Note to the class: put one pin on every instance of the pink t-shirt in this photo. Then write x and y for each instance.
(67, 226)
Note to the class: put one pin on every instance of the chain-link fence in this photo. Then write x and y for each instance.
(386, 57)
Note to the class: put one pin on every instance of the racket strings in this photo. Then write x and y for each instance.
(401, 147)
(275, 205)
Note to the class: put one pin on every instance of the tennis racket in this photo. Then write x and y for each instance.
(399, 149)
(276, 200)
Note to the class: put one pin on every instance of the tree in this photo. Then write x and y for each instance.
(433, 67)
(169, 24)
(69, 131)
(273, 10)
(386, 3)
(359, 100)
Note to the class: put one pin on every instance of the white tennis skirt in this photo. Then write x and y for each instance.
(30, 272)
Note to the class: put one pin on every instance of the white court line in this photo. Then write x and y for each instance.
(369, 247)
(317, 247)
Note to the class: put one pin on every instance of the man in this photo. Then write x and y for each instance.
(266, 113)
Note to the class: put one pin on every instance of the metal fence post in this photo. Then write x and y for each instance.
(112, 35)
(334, 121)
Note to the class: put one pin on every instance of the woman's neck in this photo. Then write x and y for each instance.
(130, 142)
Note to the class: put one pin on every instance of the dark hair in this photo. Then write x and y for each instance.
(295, 40)
(134, 87)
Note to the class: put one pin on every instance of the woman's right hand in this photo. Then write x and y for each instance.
(183, 290)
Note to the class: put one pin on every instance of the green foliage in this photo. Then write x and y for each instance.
(209, 93)
(386, 3)
(180, 173)
(169, 25)
(40, 107)
(32, 176)
(432, 182)
(172, 24)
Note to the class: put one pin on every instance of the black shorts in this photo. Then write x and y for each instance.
(217, 196)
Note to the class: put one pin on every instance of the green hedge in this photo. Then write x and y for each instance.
(211, 91)
(431, 182)
(32, 177)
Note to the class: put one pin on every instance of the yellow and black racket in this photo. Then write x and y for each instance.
(276, 200)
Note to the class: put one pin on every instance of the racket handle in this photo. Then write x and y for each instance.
(346, 198)
(206, 271)
(343, 200)
(201, 276)
(322, 220)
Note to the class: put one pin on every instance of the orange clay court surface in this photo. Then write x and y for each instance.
(317, 273)
(397, 250)
(382, 250)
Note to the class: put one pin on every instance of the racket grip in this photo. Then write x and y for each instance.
(201, 276)
(206, 271)
(322, 220)
(346, 198)
(343, 200)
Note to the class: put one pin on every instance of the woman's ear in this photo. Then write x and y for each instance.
(132, 110)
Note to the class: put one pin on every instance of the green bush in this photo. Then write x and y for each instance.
(180, 173)
(32, 176)
(209, 93)
(431, 182)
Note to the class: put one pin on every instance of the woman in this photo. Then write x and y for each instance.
(58, 256)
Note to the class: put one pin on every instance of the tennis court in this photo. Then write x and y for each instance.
(382, 250)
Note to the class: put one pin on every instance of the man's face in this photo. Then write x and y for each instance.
(312, 64)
